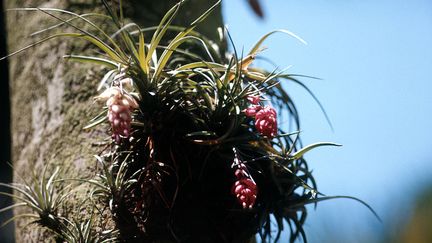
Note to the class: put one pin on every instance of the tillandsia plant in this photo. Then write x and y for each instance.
(196, 153)
(46, 198)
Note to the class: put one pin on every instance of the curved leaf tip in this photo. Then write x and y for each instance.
(306, 149)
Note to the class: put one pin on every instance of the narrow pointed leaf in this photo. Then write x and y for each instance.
(301, 152)
(257, 46)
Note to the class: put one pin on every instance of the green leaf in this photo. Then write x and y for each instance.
(287, 134)
(257, 46)
(95, 123)
(214, 48)
(105, 78)
(18, 216)
(319, 199)
(94, 60)
(103, 46)
(203, 64)
(170, 50)
(161, 29)
(128, 40)
(141, 54)
(299, 181)
(301, 152)
(82, 17)
(30, 46)
(13, 206)
(174, 43)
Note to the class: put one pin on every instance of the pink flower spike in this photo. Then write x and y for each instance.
(245, 191)
(244, 188)
(254, 99)
(266, 121)
(120, 107)
(252, 110)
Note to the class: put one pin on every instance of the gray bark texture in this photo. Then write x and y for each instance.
(51, 99)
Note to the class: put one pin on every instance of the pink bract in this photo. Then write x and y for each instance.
(266, 121)
(246, 192)
(254, 99)
(252, 110)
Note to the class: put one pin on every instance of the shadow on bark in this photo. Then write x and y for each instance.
(7, 232)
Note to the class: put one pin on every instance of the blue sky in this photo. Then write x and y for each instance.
(375, 59)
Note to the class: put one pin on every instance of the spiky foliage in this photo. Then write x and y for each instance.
(170, 172)
(46, 198)
(42, 198)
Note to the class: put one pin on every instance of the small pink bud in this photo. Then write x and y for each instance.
(109, 93)
(238, 189)
(239, 173)
(115, 108)
(124, 116)
(129, 101)
(254, 99)
(116, 122)
(110, 101)
(252, 110)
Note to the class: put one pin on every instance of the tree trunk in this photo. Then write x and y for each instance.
(51, 98)
(6, 233)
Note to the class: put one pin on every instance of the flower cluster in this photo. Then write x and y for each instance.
(120, 106)
(245, 188)
(265, 117)
(265, 121)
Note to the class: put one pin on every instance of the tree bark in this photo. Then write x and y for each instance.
(51, 98)
(6, 233)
